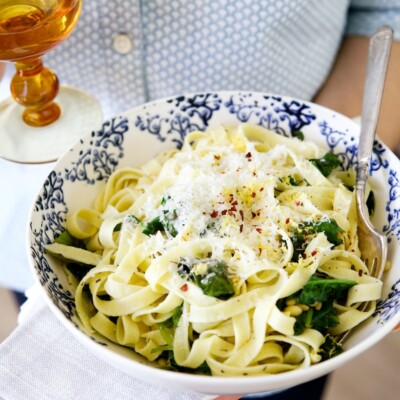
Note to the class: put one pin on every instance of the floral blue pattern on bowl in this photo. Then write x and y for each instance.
(136, 136)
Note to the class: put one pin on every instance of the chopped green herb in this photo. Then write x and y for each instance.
(290, 180)
(293, 181)
(153, 227)
(164, 223)
(167, 219)
(130, 218)
(327, 163)
(298, 134)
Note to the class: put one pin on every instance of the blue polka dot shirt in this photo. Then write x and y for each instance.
(128, 52)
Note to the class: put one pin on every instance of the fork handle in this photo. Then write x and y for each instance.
(378, 59)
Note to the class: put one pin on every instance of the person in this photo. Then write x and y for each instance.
(126, 53)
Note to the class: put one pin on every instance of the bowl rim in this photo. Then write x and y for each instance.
(219, 385)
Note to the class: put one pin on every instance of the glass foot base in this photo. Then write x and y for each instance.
(19, 142)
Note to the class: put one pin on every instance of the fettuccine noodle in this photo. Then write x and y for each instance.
(231, 197)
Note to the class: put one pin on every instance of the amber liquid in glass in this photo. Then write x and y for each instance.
(28, 29)
(31, 28)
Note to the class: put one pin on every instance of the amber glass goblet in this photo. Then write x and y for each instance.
(42, 120)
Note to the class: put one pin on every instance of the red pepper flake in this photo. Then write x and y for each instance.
(253, 214)
(261, 189)
(233, 208)
(314, 252)
(184, 287)
(217, 157)
(241, 228)
(259, 230)
(234, 203)
(360, 272)
(223, 212)
(241, 214)
(287, 220)
(214, 214)
(248, 155)
(253, 195)
(297, 202)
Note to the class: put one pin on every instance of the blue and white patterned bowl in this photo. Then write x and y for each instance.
(140, 134)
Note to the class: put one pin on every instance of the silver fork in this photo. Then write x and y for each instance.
(372, 244)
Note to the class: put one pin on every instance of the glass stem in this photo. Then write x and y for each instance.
(35, 87)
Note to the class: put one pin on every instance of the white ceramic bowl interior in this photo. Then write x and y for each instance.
(140, 134)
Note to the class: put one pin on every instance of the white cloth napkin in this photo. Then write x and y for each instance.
(41, 360)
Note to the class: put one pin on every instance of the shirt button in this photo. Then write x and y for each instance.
(122, 43)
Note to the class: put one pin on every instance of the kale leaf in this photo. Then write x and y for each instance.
(167, 327)
(172, 365)
(214, 281)
(319, 294)
(330, 348)
(307, 230)
(67, 239)
(324, 290)
(327, 163)
(331, 229)
(78, 269)
(319, 320)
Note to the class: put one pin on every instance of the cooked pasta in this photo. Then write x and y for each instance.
(237, 255)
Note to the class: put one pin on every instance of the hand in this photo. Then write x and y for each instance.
(343, 90)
